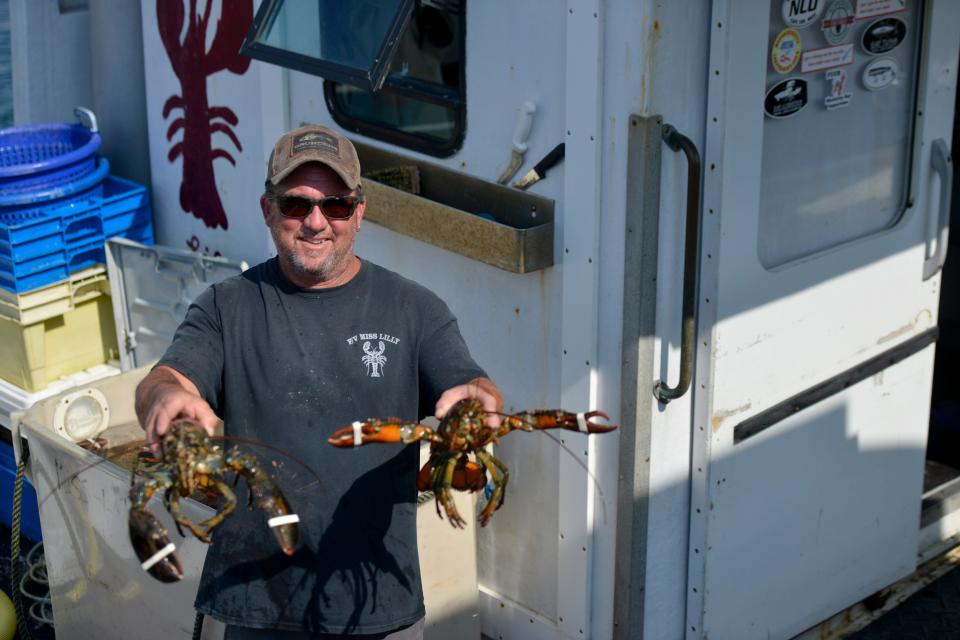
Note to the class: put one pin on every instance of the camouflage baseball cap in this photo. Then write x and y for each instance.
(314, 143)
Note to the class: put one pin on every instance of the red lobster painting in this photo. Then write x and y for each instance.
(192, 63)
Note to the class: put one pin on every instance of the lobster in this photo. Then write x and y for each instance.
(193, 62)
(189, 461)
(463, 431)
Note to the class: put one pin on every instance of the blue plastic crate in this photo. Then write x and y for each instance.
(40, 249)
(19, 277)
(125, 206)
(43, 156)
(29, 511)
(43, 236)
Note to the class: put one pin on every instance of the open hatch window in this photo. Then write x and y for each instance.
(393, 69)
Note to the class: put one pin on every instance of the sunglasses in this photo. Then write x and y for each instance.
(332, 207)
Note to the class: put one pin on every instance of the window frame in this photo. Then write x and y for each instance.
(396, 136)
(454, 99)
(371, 80)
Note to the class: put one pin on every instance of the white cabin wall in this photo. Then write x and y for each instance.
(50, 54)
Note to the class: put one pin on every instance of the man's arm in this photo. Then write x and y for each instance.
(166, 394)
(482, 389)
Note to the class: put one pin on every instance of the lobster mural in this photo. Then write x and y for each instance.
(192, 63)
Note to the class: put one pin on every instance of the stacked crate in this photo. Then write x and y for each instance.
(58, 205)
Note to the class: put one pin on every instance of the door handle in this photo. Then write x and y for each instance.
(940, 161)
(691, 252)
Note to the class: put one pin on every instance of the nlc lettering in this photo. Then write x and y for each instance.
(800, 7)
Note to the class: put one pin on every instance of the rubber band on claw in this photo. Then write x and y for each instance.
(158, 556)
(279, 521)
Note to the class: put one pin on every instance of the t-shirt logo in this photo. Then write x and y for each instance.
(374, 358)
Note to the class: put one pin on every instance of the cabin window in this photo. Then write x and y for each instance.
(393, 69)
(838, 125)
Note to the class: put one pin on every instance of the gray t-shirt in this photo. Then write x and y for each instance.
(287, 367)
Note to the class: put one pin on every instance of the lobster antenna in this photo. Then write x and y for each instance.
(115, 452)
(576, 458)
(118, 450)
(596, 483)
(263, 445)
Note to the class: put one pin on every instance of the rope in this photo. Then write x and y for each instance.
(41, 611)
(197, 626)
(15, 579)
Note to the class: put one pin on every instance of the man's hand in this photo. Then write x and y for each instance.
(165, 395)
(481, 389)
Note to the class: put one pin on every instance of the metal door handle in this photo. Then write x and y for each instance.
(940, 161)
(691, 251)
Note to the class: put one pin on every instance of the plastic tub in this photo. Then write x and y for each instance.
(16, 206)
(44, 156)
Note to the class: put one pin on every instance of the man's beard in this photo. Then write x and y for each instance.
(324, 272)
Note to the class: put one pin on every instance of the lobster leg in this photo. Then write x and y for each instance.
(425, 477)
(173, 506)
(499, 476)
(442, 488)
(229, 504)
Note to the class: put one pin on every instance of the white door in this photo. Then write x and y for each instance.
(826, 151)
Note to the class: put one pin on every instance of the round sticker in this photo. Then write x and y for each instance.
(883, 35)
(786, 98)
(880, 74)
(837, 20)
(786, 51)
(801, 13)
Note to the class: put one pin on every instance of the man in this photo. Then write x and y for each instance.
(286, 353)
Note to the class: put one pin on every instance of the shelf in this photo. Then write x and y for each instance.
(498, 225)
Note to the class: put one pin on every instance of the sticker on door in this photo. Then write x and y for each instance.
(837, 94)
(883, 35)
(786, 51)
(786, 98)
(880, 74)
(801, 13)
(837, 21)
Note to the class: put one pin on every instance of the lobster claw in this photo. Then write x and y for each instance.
(280, 517)
(591, 425)
(152, 545)
(353, 436)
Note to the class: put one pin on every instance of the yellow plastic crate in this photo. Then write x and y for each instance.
(32, 355)
(55, 299)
